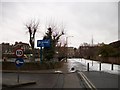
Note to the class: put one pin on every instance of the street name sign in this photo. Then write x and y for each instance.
(43, 43)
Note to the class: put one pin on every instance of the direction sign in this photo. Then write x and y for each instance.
(19, 62)
(43, 43)
(19, 52)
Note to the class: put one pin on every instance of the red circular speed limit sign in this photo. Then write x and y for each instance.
(19, 52)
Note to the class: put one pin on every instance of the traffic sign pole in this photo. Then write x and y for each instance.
(40, 54)
(43, 43)
(18, 77)
(19, 61)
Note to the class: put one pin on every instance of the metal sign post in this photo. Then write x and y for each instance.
(18, 79)
(42, 43)
(19, 62)
(40, 54)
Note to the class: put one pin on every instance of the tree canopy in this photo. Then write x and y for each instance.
(108, 51)
(49, 52)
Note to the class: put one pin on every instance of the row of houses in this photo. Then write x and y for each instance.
(109, 53)
(7, 50)
(84, 51)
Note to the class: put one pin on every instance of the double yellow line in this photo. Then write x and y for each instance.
(88, 83)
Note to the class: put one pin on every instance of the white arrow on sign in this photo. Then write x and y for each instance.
(18, 62)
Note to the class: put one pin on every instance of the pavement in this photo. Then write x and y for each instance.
(67, 78)
(15, 84)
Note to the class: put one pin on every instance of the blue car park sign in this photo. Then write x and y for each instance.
(19, 62)
(43, 43)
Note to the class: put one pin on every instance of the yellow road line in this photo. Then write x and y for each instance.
(87, 81)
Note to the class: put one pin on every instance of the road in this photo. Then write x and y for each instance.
(65, 79)
(69, 80)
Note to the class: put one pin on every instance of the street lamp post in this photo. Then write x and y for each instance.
(67, 47)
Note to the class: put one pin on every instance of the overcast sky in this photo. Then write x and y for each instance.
(82, 20)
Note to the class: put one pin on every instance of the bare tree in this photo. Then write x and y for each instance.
(54, 32)
(32, 29)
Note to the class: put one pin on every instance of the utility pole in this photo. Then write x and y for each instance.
(67, 47)
(92, 40)
(92, 48)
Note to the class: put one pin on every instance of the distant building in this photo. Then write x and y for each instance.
(22, 45)
(7, 50)
(62, 52)
(70, 52)
(115, 44)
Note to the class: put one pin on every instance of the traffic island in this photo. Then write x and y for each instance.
(32, 66)
(13, 85)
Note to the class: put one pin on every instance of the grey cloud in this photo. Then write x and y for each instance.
(82, 19)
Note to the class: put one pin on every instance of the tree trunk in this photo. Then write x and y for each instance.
(33, 52)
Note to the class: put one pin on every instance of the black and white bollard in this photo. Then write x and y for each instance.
(92, 62)
(112, 66)
(100, 66)
(87, 66)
